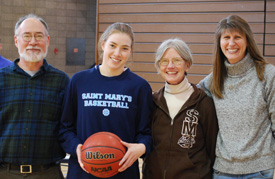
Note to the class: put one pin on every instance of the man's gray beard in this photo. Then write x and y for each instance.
(33, 57)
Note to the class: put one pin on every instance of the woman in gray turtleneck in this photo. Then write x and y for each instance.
(242, 86)
(184, 127)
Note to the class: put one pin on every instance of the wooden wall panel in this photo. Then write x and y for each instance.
(270, 6)
(194, 21)
(177, 17)
(271, 60)
(183, 7)
(188, 38)
(184, 27)
(151, 1)
(195, 48)
(270, 50)
(270, 30)
(270, 39)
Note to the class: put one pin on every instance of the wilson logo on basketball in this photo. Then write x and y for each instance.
(101, 170)
(99, 156)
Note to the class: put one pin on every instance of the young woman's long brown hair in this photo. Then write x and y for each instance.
(118, 27)
(233, 23)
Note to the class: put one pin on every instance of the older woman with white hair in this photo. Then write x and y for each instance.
(184, 122)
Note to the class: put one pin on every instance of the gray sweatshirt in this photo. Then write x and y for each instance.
(246, 118)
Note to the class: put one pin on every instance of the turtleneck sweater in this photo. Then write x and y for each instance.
(246, 117)
(176, 96)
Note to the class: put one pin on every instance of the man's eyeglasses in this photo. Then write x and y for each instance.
(37, 37)
(175, 61)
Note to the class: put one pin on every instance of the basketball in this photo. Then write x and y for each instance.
(101, 154)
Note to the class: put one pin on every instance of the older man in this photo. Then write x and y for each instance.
(3, 61)
(31, 95)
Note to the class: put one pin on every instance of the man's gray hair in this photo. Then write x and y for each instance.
(19, 22)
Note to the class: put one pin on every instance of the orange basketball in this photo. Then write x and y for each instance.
(101, 154)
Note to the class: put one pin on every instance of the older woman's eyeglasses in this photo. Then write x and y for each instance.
(37, 37)
(175, 61)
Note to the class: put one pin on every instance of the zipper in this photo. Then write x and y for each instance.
(170, 139)
(171, 134)
(172, 120)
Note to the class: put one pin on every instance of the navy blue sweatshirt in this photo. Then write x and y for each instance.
(94, 103)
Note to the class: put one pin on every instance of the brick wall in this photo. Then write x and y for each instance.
(66, 19)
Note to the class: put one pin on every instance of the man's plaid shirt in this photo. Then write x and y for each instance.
(30, 111)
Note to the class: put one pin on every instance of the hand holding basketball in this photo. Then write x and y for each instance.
(134, 151)
(78, 153)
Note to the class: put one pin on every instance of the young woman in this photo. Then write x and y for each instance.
(242, 85)
(184, 127)
(108, 97)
